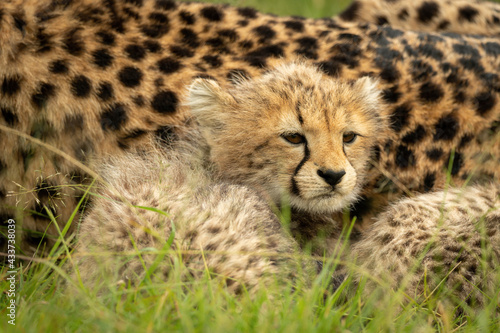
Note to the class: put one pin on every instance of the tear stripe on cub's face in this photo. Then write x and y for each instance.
(292, 134)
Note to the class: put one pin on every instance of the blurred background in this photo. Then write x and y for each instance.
(306, 8)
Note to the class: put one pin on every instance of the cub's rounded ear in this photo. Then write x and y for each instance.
(368, 88)
(208, 102)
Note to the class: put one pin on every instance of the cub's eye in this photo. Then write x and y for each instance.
(294, 138)
(349, 137)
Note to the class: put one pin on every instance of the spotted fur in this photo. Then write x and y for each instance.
(458, 16)
(445, 243)
(207, 184)
(95, 78)
(224, 230)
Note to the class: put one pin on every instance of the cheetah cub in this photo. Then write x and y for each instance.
(292, 135)
(445, 242)
(297, 137)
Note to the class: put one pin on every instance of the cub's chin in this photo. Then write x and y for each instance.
(325, 204)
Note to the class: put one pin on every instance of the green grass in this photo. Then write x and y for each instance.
(306, 8)
(49, 298)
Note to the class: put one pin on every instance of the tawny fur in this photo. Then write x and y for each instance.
(221, 229)
(446, 242)
(474, 17)
(228, 217)
(95, 78)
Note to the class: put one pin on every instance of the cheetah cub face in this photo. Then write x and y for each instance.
(293, 134)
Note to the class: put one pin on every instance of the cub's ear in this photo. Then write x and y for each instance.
(368, 88)
(208, 103)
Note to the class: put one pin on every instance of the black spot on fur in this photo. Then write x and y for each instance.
(361, 208)
(427, 11)
(332, 67)
(44, 92)
(350, 37)
(399, 117)
(189, 38)
(467, 13)
(421, 71)
(165, 4)
(459, 97)
(346, 54)
(9, 116)
(72, 43)
(472, 64)
(391, 32)
(130, 76)
(212, 13)
(414, 136)
(137, 3)
(181, 52)
(446, 128)
(381, 20)
(257, 58)
(155, 30)
(19, 23)
(80, 86)
(404, 157)
(58, 67)
(165, 102)
(246, 44)
(243, 23)
(105, 91)
(308, 47)
(135, 52)
(443, 25)
(465, 140)
(492, 48)
(152, 46)
(464, 49)
(385, 60)
(265, 33)
(484, 102)
(169, 65)
(457, 163)
(158, 18)
(434, 154)
(166, 134)
(212, 60)
(139, 100)
(391, 95)
(428, 50)
(106, 38)
(378, 37)
(44, 42)
(187, 17)
(228, 34)
(403, 14)
(247, 12)
(113, 117)
(430, 92)
(294, 25)
(102, 58)
(134, 134)
(351, 13)
(11, 85)
(429, 181)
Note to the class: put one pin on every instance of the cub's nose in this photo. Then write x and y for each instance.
(331, 177)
